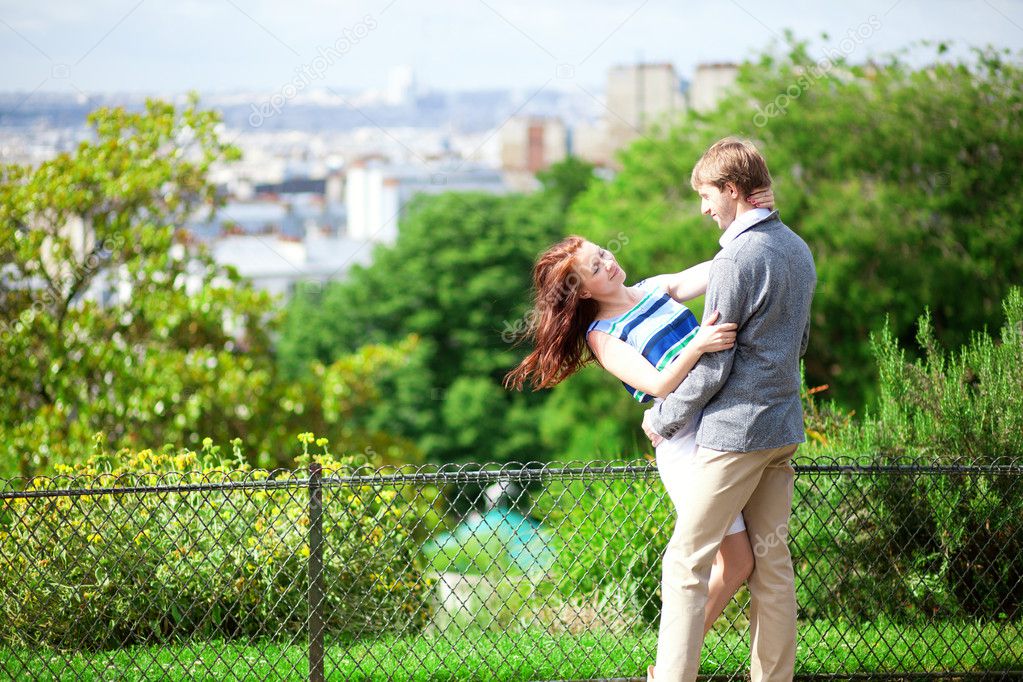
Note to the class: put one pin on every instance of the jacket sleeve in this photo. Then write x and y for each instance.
(728, 293)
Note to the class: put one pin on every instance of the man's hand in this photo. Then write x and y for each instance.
(655, 438)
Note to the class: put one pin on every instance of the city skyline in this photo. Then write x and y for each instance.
(231, 45)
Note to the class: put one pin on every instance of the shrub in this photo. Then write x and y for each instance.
(609, 539)
(941, 541)
(104, 570)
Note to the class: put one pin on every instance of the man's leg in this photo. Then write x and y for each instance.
(714, 486)
(772, 584)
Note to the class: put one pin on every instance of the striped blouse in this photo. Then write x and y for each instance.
(658, 326)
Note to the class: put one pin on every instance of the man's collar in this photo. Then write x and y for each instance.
(744, 222)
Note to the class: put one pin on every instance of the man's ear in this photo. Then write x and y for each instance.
(732, 190)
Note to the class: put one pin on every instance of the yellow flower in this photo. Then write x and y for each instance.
(95, 538)
(184, 460)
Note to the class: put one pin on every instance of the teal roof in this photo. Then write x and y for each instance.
(524, 541)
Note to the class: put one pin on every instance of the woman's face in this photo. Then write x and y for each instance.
(598, 271)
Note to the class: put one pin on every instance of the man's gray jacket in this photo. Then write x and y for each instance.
(749, 395)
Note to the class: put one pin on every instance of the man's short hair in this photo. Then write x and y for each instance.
(732, 160)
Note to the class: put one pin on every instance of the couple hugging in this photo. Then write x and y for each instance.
(726, 415)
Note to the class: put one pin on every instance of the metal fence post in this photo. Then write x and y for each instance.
(315, 574)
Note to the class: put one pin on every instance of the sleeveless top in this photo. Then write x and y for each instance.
(658, 326)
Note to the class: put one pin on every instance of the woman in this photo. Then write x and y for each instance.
(645, 336)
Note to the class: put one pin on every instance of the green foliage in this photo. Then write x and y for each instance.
(108, 570)
(949, 541)
(902, 180)
(609, 540)
(591, 417)
(950, 405)
(458, 278)
(566, 180)
(182, 347)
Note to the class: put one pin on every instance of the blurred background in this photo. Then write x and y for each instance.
(236, 219)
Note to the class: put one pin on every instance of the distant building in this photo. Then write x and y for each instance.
(530, 144)
(273, 261)
(592, 142)
(711, 83)
(290, 231)
(639, 96)
(294, 186)
(642, 96)
(376, 193)
(290, 208)
(277, 263)
(401, 85)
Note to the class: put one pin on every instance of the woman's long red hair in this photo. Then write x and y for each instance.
(557, 321)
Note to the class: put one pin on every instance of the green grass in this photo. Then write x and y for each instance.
(535, 655)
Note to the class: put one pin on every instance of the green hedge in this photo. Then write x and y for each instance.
(948, 542)
(104, 570)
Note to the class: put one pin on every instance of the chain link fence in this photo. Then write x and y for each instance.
(484, 572)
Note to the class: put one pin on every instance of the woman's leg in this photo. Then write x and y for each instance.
(732, 566)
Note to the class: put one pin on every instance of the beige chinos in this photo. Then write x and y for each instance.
(721, 484)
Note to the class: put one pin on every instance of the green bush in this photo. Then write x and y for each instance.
(609, 537)
(944, 541)
(106, 570)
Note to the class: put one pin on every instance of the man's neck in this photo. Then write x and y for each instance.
(742, 220)
(742, 207)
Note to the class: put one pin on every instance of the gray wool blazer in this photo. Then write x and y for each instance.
(748, 396)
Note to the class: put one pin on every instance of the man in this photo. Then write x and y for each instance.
(763, 279)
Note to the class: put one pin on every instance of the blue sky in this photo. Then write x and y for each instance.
(223, 45)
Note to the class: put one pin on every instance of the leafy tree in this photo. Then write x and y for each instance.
(458, 277)
(567, 179)
(902, 180)
(110, 324)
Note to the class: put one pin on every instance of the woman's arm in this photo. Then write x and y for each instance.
(692, 282)
(688, 284)
(629, 365)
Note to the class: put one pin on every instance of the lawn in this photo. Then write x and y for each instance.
(535, 655)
